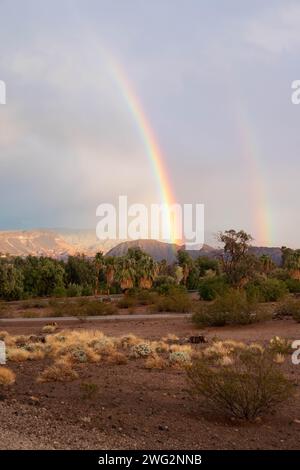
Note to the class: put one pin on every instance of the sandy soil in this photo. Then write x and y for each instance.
(134, 408)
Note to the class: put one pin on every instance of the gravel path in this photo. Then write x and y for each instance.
(142, 316)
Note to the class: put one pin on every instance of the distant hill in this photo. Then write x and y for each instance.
(274, 253)
(85, 241)
(34, 242)
(160, 250)
(56, 243)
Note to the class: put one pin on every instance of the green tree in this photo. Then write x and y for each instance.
(11, 282)
(238, 265)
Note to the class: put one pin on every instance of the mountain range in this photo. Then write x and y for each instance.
(60, 243)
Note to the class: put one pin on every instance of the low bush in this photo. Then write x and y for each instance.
(141, 350)
(127, 301)
(211, 287)
(163, 284)
(60, 291)
(89, 389)
(82, 307)
(233, 308)
(74, 290)
(179, 358)
(266, 290)
(289, 307)
(176, 301)
(60, 371)
(293, 285)
(246, 386)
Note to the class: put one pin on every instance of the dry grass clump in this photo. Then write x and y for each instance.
(244, 383)
(48, 329)
(3, 335)
(22, 354)
(60, 371)
(220, 349)
(159, 346)
(7, 377)
(22, 348)
(117, 358)
(156, 362)
(127, 341)
(80, 354)
(170, 337)
(279, 345)
(105, 345)
(279, 358)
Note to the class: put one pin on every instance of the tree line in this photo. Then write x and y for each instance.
(32, 276)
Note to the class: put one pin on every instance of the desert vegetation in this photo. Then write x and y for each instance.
(243, 381)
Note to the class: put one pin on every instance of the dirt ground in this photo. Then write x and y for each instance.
(134, 408)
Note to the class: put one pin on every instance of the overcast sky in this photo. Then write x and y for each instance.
(214, 79)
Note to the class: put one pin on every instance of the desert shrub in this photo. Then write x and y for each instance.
(289, 307)
(155, 362)
(60, 291)
(266, 290)
(94, 308)
(163, 284)
(79, 353)
(233, 308)
(141, 350)
(279, 345)
(87, 290)
(146, 297)
(60, 371)
(293, 285)
(82, 307)
(247, 386)
(74, 290)
(89, 389)
(177, 301)
(210, 288)
(103, 346)
(179, 358)
(127, 301)
(7, 377)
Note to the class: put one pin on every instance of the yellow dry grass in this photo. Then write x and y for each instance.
(7, 376)
(155, 362)
(60, 371)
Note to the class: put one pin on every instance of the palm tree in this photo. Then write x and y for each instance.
(126, 272)
(266, 263)
(147, 270)
(291, 261)
(110, 270)
(98, 263)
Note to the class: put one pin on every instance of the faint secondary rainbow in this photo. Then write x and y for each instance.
(250, 150)
(150, 143)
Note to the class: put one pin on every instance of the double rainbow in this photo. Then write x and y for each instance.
(150, 143)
